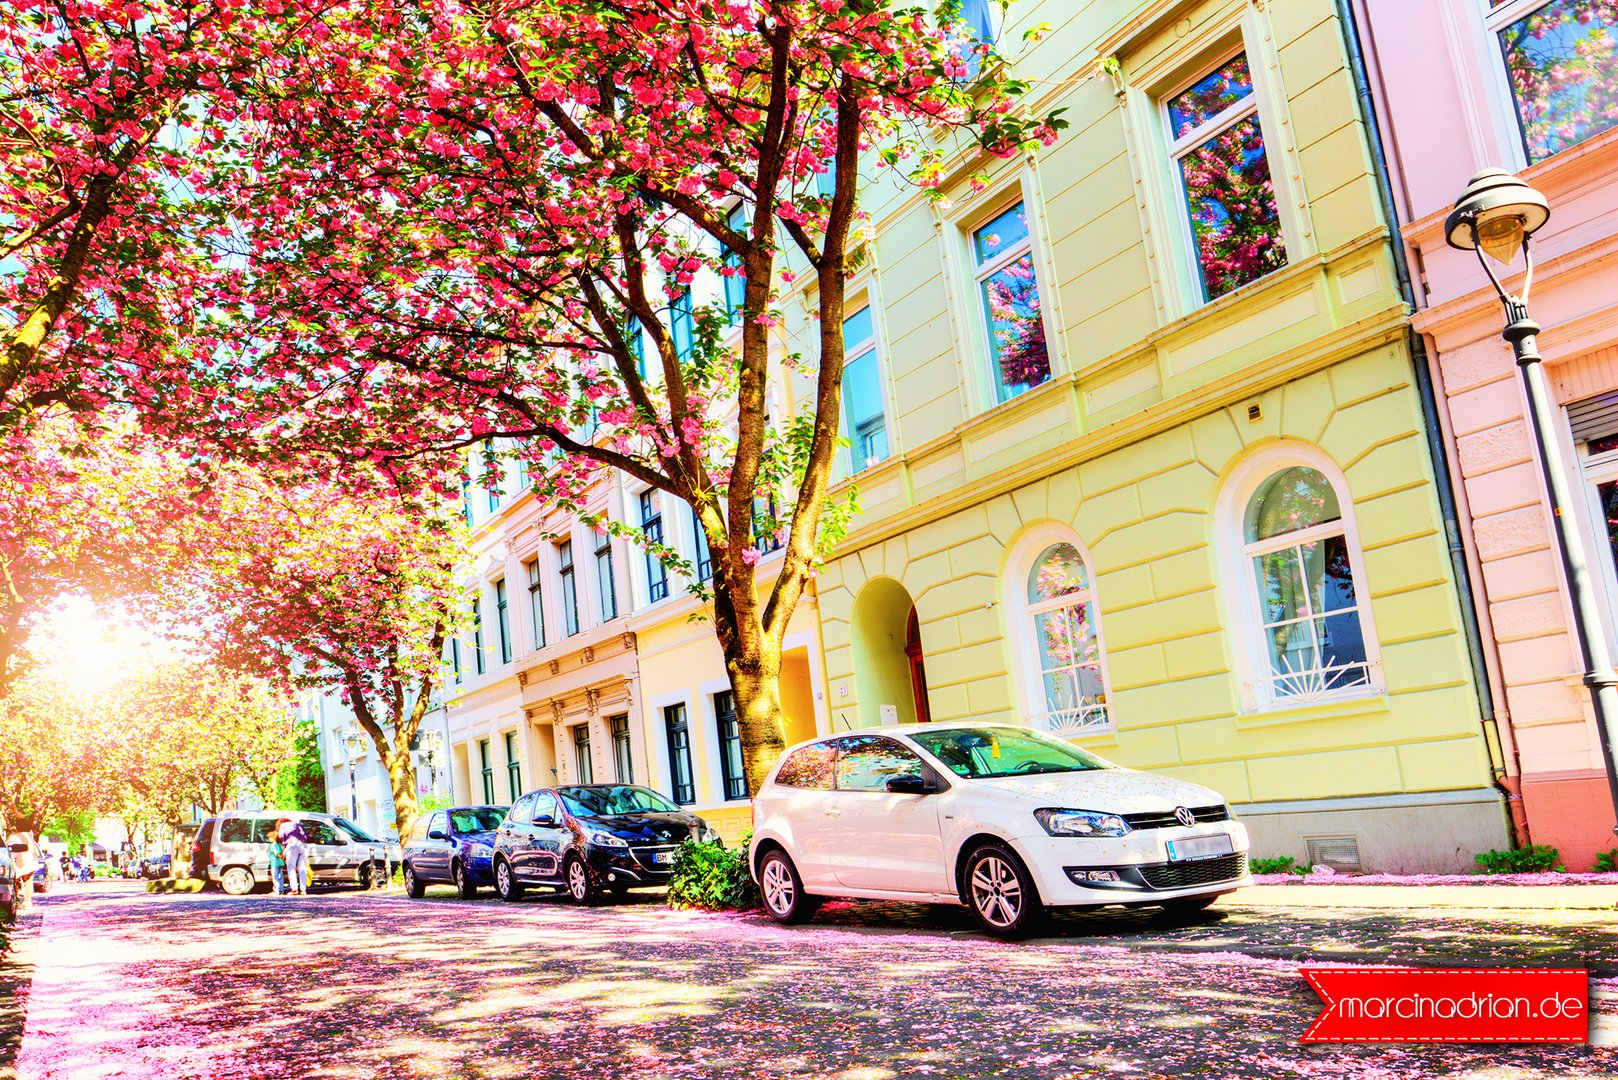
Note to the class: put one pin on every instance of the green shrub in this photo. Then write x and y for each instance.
(711, 876)
(1606, 862)
(1534, 859)
(1281, 864)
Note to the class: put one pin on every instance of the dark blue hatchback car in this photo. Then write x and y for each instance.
(453, 847)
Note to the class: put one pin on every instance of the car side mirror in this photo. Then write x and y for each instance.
(544, 819)
(436, 834)
(912, 784)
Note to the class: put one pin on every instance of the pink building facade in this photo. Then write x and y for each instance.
(1530, 86)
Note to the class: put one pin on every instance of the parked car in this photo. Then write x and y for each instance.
(591, 839)
(339, 851)
(8, 884)
(156, 867)
(202, 850)
(1003, 819)
(455, 847)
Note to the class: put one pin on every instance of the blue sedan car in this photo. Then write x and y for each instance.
(453, 847)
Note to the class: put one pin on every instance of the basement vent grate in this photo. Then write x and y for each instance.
(1337, 852)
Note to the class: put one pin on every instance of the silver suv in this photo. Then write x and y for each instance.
(339, 851)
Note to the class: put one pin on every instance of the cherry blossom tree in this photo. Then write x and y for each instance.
(113, 114)
(312, 587)
(468, 223)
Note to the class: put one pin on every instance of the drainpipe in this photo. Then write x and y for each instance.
(1432, 421)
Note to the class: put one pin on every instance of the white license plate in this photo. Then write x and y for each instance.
(1200, 847)
(662, 856)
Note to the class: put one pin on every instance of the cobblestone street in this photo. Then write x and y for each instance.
(349, 984)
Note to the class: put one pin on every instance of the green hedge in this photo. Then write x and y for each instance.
(1534, 859)
(710, 876)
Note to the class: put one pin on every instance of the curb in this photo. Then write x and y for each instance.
(1569, 897)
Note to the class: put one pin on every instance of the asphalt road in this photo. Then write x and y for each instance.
(363, 985)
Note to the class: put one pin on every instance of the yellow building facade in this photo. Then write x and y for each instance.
(1182, 513)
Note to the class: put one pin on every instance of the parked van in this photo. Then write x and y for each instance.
(339, 851)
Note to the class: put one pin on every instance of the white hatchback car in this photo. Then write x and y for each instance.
(1005, 820)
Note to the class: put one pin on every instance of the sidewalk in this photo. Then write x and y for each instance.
(1577, 897)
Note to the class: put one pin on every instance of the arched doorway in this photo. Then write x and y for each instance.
(889, 670)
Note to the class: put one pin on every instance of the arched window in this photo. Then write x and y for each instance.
(1066, 642)
(1312, 613)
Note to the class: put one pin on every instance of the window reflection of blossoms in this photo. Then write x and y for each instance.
(1063, 610)
(1230, 198)
(1004, 266)
(1310, 608)
(1561, 63)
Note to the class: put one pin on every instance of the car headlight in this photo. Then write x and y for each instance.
(1059, 822)
(709, 835)
(481, 851)
(604, 838)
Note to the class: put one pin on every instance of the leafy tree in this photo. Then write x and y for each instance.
(111, 115)
(52, 752)
(462, 223)
(300, 783)
(75, 828)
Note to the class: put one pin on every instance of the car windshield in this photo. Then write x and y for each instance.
(980, 752)
(477, 819)
(610, 799)
(355, 831)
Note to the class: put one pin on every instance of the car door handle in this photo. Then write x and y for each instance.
(833, 811)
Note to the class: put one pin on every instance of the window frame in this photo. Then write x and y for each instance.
(1251, 666)
(513, 765)
(536, 601)
(479, 661)
(732, 774)
(701, 553)
(1175, 149)
(651, 525)
(623, 748)
(487, 773)
(734, 304)
(864, 347)
(502, 612)
(1030, 668)
(1490, 22)
(583, 761)
(567, 572)
(680, 751)
(977, 272)
(606, 579)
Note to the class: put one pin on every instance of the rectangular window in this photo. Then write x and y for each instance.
(977, 24)
(466, 500)
(488, 772)
(536, 604)
(581, 755)
(866, 424)
(1561, 67)
(702, 560)
(477, 634)
(735, 282)
(525, 476)
(679, 736)
(494, 496)
(455, 657)
(1008, 288)
(651, 524)
(1217, 145)
(570, 589)
(731, 769)
(683, 326)
(636, 340)
(604, 578)
(513, 767)
(623, 761)
(502, 620)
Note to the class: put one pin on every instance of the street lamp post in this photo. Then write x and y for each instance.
(1495, 216)
(353, 740)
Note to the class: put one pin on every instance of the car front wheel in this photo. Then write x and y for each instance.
(505, 882)
(580, 889)
(237, 881)
(464, 885)
(782, 890)
(415, 888)
(1000, 892)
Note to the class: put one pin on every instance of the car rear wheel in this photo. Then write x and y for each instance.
(366, 876)
(237, 881)
(464, 885)
(415, 888)
(505, 882)
(1000, 892)
(580, 889)
(782, 890)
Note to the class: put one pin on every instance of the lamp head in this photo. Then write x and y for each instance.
(1497, 213)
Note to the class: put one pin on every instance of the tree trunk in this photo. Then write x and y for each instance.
(402, 777)
(755, 680)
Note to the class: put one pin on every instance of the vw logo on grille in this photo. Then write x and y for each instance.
(1184, 816)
